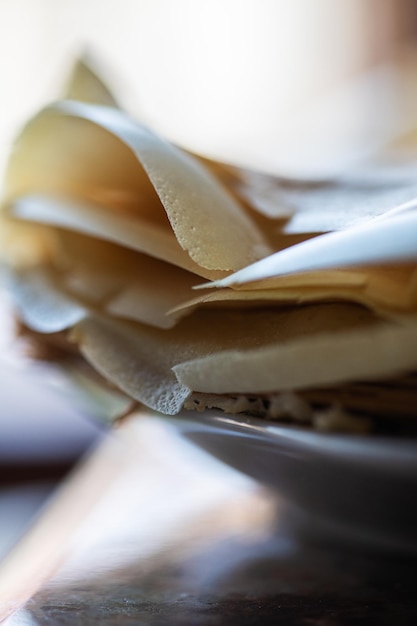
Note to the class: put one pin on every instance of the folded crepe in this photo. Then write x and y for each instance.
(306, 300)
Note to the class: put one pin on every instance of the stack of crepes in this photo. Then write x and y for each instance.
(190, 284)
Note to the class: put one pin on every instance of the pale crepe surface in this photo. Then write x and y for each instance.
(128, 224)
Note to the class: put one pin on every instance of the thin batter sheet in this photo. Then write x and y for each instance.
(321, 359)
(100, 154)
(141, 360)
(391, 291)
(259, 353)
(135, 358)
(149, 298)
(110, 279)
(308, 206)
(127, 224)
(390, 288)
(124, 283)
(381, 241)
(91, 219)
(235, 351)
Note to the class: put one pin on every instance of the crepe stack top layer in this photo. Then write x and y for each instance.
(307, 303)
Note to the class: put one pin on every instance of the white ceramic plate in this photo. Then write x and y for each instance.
(362, 487)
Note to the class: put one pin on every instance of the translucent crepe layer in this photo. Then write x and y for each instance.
(108, 228)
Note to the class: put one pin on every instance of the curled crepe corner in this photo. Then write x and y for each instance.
(86, 85)
(320, 359)
(382, 242)
(307, 205)
(134, 360)
(92, 152)
(131, 356)
(261, 191)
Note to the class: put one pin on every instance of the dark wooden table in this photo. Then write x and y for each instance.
(179, 539)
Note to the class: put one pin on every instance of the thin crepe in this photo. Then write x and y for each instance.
(381, 241)
(100, 154)
(252, 351)
(127, 224)
(390, 291)
(235, 352)
(123, 283)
